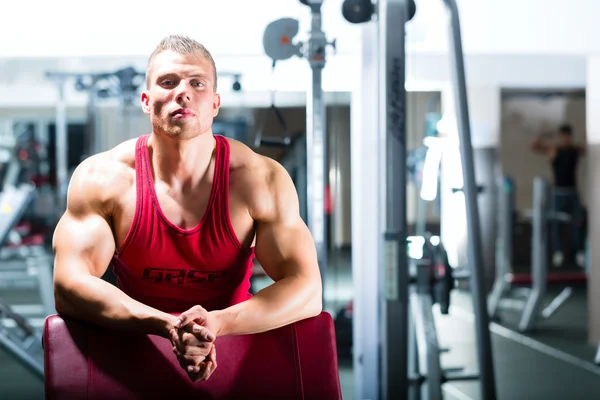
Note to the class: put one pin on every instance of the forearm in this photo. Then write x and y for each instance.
(286, 301)
(92, 299)
(537, 143)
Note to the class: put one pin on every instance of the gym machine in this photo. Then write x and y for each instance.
(17, 336)
(278, 44)
(504, 246)
(539, 278)
(431, 281)
(122, 84)
(381, 370)
(29, 261)
(11, 167)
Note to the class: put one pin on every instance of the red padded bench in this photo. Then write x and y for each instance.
(297, 361)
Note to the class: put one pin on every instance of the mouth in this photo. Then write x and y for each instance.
(182, 113)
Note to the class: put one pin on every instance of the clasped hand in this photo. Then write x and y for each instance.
(193, 343)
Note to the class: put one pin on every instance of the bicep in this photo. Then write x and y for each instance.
(285, 248)
(284, 245)
(82, 245)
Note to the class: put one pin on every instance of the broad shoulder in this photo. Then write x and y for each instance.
(103, 177)
(248, 167)
(262, 183)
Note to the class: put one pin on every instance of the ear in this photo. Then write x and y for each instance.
(216, 104)
(145, 102)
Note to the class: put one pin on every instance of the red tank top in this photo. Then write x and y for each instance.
(173, 269)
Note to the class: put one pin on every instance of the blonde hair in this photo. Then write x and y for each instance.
(183, 45)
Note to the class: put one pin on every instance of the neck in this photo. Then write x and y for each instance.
(181, 161)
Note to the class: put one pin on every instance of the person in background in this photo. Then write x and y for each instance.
(564, 155)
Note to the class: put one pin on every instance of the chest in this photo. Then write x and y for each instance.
(184, 212)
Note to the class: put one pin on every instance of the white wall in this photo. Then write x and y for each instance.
(540, 27)
(507, 43)
(132, 27)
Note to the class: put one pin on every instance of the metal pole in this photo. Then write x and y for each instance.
(92, 138)
(393, 15)
(315, 139)
(33, 364)
(62, 150)
(475, 257)
(368, 210)
(539, 259)
(504, 245)
(421, 223)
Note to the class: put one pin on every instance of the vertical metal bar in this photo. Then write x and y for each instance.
(503, 248)
(315, 139)
(92, 134)
(475, 256)
(421, 223)
(427, 344)
(367, 193)
(508, 223)
(43, 266)
(62, 150)
(539, 259)
(597, 356)
(414, 372)
(393, 15)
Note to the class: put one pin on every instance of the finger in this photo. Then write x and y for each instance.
(193, 369)
(174, 336)
(188, 361)
(198, 356)
(190, 339)
(196, 351)
(196, 313)
(202, 332)
(209, 368)
(198, 373)
(175, 341)
(178, 341)
(212, 356)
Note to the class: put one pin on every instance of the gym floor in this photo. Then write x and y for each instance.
(554, 362)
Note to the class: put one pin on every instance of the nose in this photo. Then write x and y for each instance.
(182, 92)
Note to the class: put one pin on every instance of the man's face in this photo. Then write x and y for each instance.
(564, 138)
(180, 99)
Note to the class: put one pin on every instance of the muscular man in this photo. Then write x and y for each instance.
(180, 214)
(564, 157)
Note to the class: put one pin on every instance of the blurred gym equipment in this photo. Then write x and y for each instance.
(31, 263)
(388, 316)
(278, 44)
(122, 84)
(538, 277)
